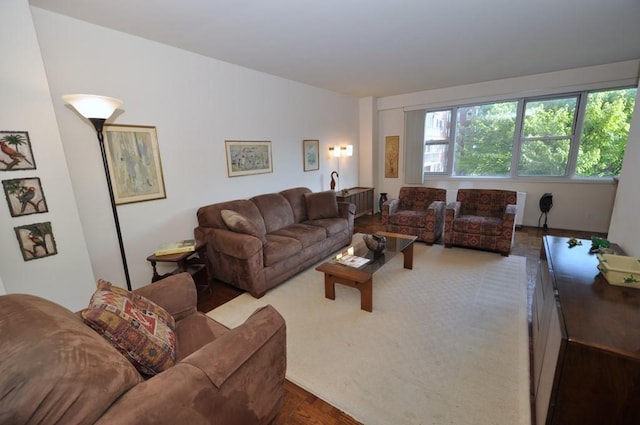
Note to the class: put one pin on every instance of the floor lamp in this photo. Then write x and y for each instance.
(98, 109)
(338, 151)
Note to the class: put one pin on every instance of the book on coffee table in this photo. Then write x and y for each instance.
(352, 260)
(179, 247)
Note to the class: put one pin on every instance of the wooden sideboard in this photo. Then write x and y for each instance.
(586, 341)
(362, 197)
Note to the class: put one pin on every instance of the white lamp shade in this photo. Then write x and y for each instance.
(334, 151)
(346, 150)
(93, 106)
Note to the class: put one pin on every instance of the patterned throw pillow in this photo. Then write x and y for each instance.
(140, 329)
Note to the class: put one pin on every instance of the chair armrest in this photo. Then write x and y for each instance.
(389, 208)
(176, 293)
(452, 209)
(236, 379)
(511, 209)
(438, 207)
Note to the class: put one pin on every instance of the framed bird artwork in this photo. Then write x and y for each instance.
(15, 151)
(36, 240)
(24, 196)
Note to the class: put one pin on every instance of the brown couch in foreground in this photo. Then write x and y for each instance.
(258, 243)
(54, 369)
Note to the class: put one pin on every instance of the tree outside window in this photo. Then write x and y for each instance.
(581, 135)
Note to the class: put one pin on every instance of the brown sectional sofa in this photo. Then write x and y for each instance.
(54, 369)
(258, 243)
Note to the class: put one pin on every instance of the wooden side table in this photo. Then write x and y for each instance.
(194, 263)
(362, 197)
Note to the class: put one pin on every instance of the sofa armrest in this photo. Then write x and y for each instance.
(176, 293)
(223, 357)
(236, 379)
(233, 244)
(347, 210)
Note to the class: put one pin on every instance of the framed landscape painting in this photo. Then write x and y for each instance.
(133, 159)
(248, 157)
(311, 155)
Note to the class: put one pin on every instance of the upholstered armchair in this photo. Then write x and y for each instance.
(482, 219)
(417, 211)
(55, 369)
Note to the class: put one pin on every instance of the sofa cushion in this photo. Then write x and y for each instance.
(141, 330)
(53, 367)
(238, 223)
(321, 205)
(275, 209)
(295, 196)
(332, 226)
(478, 225)
(280, 248)
(410, 218)
(307, 235)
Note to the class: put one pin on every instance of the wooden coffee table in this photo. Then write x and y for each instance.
(361, 278)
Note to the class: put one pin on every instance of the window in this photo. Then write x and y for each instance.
(547, 133)
(604, 132)
(581, 135)
(484, 139)
(437, 138)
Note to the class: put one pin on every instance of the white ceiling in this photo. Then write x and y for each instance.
(381, 47)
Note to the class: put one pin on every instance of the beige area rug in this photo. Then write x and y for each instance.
(446, 343)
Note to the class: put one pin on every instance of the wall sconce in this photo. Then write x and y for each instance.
(97, 109)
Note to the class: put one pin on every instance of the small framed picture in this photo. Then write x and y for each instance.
(248, 157)
(15, 151)
(311, 155)
(134, 164)
(36, 240)
(24, 196)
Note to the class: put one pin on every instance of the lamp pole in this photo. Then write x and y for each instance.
(98, 123)
(97, 109)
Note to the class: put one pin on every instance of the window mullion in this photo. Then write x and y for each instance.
(517, 138)
(577, 132)
(453, 126)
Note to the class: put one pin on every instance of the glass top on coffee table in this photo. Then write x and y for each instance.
(359, 257)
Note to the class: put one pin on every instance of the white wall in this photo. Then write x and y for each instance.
(625, 229)
(577, 205)
(196, 103)
(66, 278)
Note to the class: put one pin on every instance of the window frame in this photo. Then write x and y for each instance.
(519, 139)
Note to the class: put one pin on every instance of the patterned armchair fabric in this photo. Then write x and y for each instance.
(417, 211)
(482, 219)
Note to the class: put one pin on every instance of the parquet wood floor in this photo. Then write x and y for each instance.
(303, 408)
